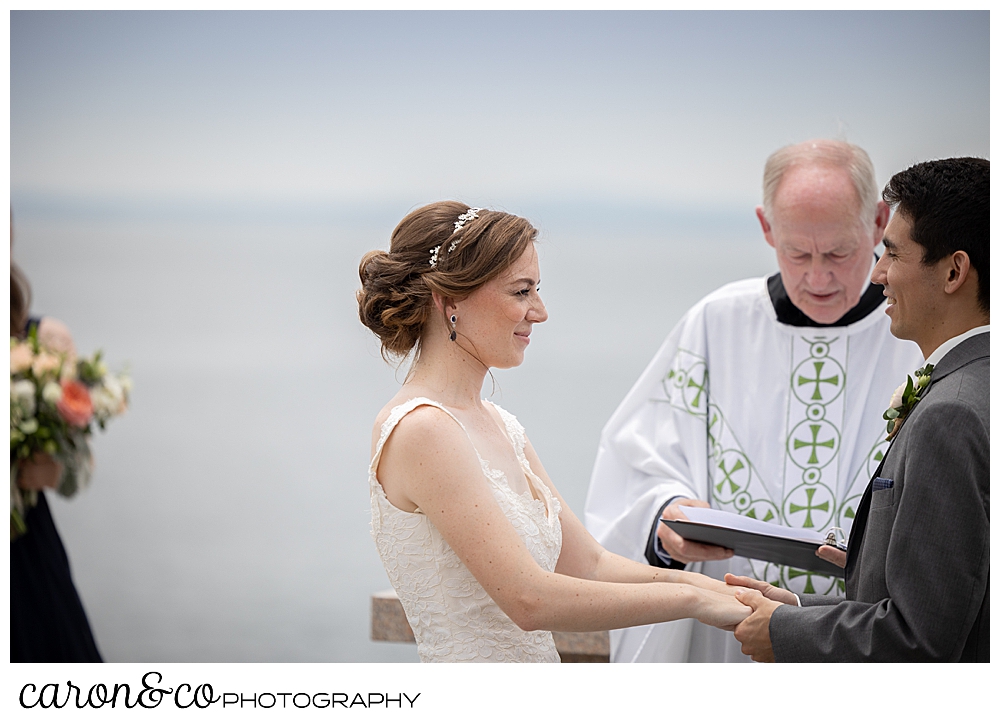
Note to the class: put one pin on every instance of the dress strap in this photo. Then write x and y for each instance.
(396, 414)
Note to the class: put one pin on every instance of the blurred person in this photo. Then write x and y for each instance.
(918, 562)
(484, 553)
(765, 399)
(47, 621)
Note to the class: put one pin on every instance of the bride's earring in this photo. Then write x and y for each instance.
(453, 333)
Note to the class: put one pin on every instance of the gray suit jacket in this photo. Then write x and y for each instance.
(918, 562)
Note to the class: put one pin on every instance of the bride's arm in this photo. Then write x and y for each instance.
(429, 461)
(583, 556)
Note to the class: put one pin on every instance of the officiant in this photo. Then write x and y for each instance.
(765, 400)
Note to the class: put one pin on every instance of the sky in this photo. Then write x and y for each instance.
(667, 109)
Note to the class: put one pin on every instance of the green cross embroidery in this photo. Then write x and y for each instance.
(793, 573)
(727, 476)
(699, 387)
(834, 380)
(799, 444)
(769, 516)
(809, 507)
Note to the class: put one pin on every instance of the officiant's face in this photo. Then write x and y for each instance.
(498, 317)
(824, 247)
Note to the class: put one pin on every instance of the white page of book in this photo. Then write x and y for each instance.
(729, 520)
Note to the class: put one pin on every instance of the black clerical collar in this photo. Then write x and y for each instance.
(789, 313)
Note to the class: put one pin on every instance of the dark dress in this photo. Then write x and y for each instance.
(47, 620)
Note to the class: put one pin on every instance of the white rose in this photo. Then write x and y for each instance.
(68, 373)
(897, 396)
(113, 387)
(104, 403)
(22, 393)
(108, 398)
(52, 393)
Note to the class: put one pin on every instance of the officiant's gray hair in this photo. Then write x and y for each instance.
(823, 152)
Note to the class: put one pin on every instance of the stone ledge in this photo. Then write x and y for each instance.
(389, 625)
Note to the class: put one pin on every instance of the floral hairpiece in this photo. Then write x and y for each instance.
(462, 220)
(467, 216)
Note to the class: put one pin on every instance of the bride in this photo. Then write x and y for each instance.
(485, 556)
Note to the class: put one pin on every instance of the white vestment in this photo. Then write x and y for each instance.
(778, 422)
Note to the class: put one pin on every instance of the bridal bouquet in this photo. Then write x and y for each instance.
(56, 401)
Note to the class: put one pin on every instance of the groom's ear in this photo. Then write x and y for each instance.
(959, 269)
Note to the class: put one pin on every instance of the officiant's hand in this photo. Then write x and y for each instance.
(685, 550)
(832, 554)
(754, 632)
(766, 589)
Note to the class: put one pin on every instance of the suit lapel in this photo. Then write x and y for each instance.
(861, 518)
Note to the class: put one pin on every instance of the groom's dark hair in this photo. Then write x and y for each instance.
(947, 203)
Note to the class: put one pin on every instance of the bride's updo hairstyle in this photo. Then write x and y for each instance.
(433, 249)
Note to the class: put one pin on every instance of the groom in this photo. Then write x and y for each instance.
(918, 563)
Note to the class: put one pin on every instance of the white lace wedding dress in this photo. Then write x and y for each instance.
(452, 616)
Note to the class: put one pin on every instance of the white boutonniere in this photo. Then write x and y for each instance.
(905, 398)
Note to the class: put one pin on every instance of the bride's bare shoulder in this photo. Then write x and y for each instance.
(422, 424)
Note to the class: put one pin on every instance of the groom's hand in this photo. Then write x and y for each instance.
(685, 550)
(832, 554)
(766, 589)
(754, 632)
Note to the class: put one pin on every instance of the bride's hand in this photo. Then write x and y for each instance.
(737, 582)
(721, 610)
(704, 582)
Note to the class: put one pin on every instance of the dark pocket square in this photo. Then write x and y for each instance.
(881, 483)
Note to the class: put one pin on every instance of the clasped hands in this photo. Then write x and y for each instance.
(761, 597)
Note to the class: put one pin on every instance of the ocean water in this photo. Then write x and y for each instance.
(228, 518)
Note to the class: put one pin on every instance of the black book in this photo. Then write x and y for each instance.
(758, 540)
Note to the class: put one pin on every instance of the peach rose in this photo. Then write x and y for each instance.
(21, 357)
(75, 405)
(45, 363)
